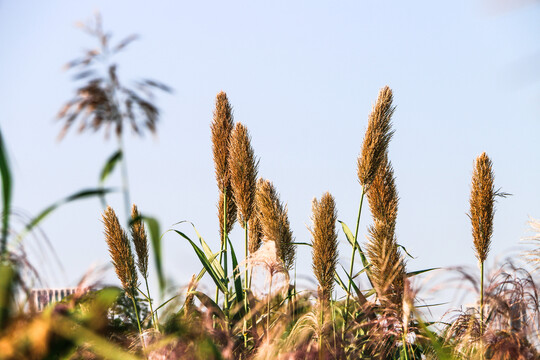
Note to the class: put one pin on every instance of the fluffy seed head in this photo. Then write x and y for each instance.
(275, 222)
(140, 240)
(255, 233)
(482, 206)
(387, 264)
(243, 171)
(231, 211)
(325, 252)
(120, 251)
(377, 137)
(222, 127)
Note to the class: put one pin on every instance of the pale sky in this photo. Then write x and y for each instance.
(302, 76)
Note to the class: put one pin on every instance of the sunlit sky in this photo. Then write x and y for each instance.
(302, 75)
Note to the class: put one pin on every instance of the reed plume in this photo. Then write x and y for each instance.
(140, 240)
(255, 233)
(120, 251)
(243, 172)
(378, 135)
(325, 252)
(387, 265)
(482, 210)
(275, 222)
(482, 205)
(374, 147)
(222, 127)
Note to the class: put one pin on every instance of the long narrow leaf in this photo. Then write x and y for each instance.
(205, 262)
(155, 238)
(209, 303)
(236, 275)
(417, 272)
(109, 166)
(5, 173)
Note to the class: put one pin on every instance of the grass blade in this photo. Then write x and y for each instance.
(5, 173)
(109, 166)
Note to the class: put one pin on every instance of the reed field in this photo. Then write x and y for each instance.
(370, 310)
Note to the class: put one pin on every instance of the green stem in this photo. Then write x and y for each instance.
(225, 262)
(481, 309)
(246, 284)
(351, 269)
(138, 321)
(125, 180)
(154, 315)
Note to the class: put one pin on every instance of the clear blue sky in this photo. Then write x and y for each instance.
(302, 76)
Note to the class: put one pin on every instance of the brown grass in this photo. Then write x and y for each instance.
(140, 240)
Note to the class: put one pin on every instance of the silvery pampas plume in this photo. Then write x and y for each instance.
(325, 252)
(140, 240)
(120, 251)
(482, 205)
(387, 265)
(378, 135)
(222, 127)
(243, 172)
(274, 221)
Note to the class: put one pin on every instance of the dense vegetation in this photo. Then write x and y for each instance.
(257, 312)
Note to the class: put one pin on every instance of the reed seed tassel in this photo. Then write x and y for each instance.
(255, 233)
(378, 135)
(325, 252)
(274, 222)
(387, 264)
(482, 207)
(140, 240)
(243, 172)
(120, 251)
(222, 127)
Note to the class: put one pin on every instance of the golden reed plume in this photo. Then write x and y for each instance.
(140, 240)
(222, 127)
(325, 246)
(387, 265)
(275, 222)
(482, 206)
(120, 251)
(255, 232)
(377, 137)
(243, 172)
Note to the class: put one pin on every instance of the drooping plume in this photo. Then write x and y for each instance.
(120, 251)
(140, 240)
(222, 127)
(377, 137)
(243, 172)
(275, 222)
(325, 252)
(482, 205)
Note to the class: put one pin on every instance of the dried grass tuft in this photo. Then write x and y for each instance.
(140, 240)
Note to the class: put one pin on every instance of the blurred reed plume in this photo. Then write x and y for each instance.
(222, 127)
(140, 240)
(243, 172)
(387, 265)
(275, 222)
(533, 256)
(325, 251)
(378, 135)
(482, 205)
(120, 251)
(103, 101)
(255, 233)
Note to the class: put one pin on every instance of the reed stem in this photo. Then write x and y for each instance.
(351, 269)
(138, 322)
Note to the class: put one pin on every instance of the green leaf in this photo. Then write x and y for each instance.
(210, 255)
(155, 238)
(205, 262)
(209, 304)
(83, 194)
(353, 242)
(417, 272)
(5, 173)
(303, 243)
(236, 276)
(405, 250)
(109, 166)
